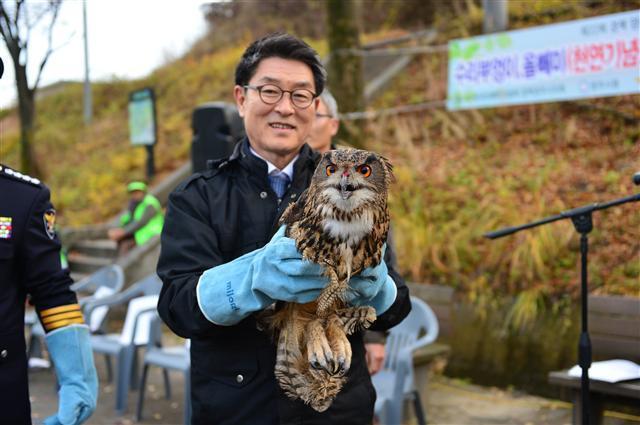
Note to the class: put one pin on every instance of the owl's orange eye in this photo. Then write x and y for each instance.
(365, 170)
(331, 169)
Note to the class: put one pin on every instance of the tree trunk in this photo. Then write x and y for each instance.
(15, 28)
(345, 77)
(26, 109)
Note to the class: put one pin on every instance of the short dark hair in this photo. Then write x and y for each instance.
(280, 45)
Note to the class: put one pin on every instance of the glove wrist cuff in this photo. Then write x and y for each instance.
(385, 297)
(226, 297)
(216, 306)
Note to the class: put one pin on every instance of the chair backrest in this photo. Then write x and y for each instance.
(149, 285)
(139, 324)
(418, 329)
(613, 327)
(110, 276)
(141, 295)
(99, 306)
(105, 282)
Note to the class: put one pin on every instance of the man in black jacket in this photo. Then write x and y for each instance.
(219, 267)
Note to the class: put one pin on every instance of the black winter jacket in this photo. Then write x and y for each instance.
(212, 218)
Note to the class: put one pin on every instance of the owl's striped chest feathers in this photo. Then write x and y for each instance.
(345, 242)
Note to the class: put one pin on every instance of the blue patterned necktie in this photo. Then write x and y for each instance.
(279, 182)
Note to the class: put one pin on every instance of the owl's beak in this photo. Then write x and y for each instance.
(346, 188)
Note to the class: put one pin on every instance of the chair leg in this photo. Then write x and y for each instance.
(143, 387)
(384, 414)
(134, 370)
(187, 397)
(35, 347)
(107, 360)
(167, 384)
(417, 405)
(395, 412)
(125, 363)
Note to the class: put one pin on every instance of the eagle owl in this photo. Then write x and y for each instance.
(340, 222)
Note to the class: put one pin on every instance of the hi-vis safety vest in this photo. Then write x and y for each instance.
(153, 227)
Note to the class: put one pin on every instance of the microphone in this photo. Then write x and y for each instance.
(636, 178)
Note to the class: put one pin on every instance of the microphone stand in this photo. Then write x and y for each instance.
(582, 221)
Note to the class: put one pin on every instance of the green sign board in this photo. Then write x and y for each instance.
(142, 117)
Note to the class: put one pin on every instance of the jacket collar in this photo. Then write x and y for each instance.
(307, 159)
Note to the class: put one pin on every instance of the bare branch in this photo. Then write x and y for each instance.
(44, 11)
(55, 8)
(5, 23)
(19, 4)
(7, 30)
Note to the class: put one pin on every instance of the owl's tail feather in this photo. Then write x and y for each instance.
(322, 390)
(314, 387)
(289, 362)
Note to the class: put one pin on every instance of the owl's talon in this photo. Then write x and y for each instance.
(318, 348)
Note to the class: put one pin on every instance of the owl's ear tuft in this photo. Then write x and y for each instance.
(388, 169)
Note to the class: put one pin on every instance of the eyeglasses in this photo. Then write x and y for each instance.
(271, 94)
(318, 115)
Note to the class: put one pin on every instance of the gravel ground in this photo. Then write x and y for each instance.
(448, 401)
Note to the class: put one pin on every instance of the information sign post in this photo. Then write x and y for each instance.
(142, 123)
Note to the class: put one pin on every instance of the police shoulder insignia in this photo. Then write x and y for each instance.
(5, 227)
(49, 218)
(8, 172)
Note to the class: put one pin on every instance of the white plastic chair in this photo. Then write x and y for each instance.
(168, 358)
(142, 299)
(104, 282)
(394, 383)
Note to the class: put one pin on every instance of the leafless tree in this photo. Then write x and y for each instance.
(17, 23)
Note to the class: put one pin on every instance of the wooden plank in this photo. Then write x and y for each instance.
(426, 354)
(433, 294)
(625, 327)
(443, 313)
(610, 347)
(630, 389)
(614, 304)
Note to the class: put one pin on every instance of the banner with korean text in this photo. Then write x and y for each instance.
(594, 57)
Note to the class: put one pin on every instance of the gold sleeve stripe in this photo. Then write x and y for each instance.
(69, 315)
(61, 323)
(60, 309)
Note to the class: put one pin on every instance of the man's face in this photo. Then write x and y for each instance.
(137, 195)
(280, 129)
(323, 129)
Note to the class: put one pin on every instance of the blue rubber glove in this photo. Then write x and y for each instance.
(70, 350)
(232, 291)
(373, 287)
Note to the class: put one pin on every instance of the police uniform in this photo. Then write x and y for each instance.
(29, 264)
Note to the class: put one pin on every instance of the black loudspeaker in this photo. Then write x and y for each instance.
(217, 127)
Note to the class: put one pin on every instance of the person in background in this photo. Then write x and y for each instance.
(324, 128)
(30, 265)
(326, 124)
(142, 220)
(224, 258)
